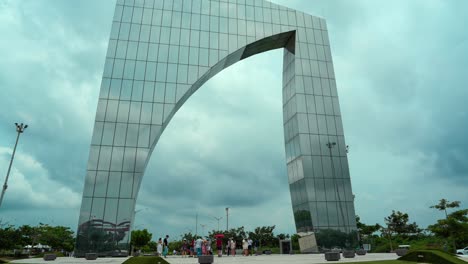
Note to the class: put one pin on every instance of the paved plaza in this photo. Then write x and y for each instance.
(284, 259)
(264, 259)
(69, 260)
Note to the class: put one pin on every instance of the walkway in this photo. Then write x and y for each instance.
(284, 259)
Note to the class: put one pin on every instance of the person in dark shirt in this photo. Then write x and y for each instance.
(219, 246)
(184, 248)
(166, 246)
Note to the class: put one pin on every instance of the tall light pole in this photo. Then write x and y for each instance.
(19, 129)
(217, 218)
(134, 214)
(330, 145)
(227, 218)
(196, 225)
(203, 229)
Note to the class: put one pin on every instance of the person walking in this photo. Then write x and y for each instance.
(160, 247)
(166, 246)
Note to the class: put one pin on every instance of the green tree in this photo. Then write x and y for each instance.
(455, 225)
(264, 235)
(282, 236)
(397, 223)
(9, 237)
(365, 231)
(444, 204)
(28, 234)
(140, 238)
(295, 241)
(57, 237)
(152, 246)
(190, 237)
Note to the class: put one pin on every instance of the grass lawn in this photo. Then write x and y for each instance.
(145, 260)
(386, 262)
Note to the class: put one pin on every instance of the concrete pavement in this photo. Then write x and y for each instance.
(263, 259)
(284, 259)
(68, 260)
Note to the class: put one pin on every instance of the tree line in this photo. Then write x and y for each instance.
(448, 233)
(59, 238)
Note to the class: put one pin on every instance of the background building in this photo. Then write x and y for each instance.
(159, 54)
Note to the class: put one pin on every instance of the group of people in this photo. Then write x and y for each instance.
(246, 247)
(199, 246)
(196, 247)
(163, 246)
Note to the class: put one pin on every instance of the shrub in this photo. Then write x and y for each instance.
(432, 256)
(145, 260)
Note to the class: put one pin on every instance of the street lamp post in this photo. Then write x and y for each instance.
(203, 229)
(227, 218)
(330, 145)
(217, 218)
(19, 129)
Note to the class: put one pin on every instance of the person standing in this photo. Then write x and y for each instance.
(203, 247)
(166, 246)
(208, 246)
(228, 247)
(250, 242)
(245, 247)
(219, 246)
(160, 247)
(256, 244)
(192, 248)
(198, 246)
(233, 248)
(183, 250)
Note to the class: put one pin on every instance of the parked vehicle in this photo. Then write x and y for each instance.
(463, 251)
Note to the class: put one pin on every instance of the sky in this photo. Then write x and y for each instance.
(401, 70)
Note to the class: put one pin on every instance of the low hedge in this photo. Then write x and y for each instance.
(432, 256)
(146, 260)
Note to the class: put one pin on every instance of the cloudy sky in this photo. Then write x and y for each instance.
(401, 70)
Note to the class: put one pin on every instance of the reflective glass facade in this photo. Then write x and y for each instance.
(160, 52)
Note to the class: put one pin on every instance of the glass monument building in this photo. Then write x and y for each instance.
(161, 52)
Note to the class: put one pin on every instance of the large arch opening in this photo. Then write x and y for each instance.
(256, 140)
